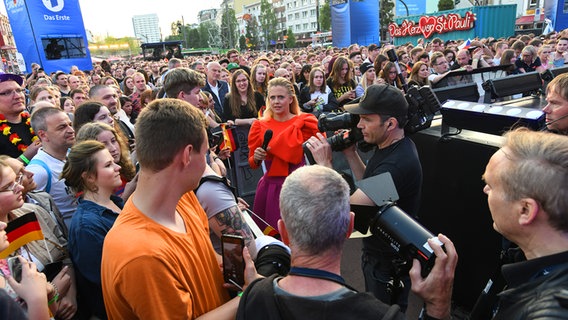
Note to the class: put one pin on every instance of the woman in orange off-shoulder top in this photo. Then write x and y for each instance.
(284, 153)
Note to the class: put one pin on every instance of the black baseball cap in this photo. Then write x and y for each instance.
(372, 47)
(380, 99)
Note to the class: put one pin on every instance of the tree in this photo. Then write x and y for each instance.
(203, 36)
(209, 35)
(117, 46)
(445, 5)
(291, 40)
(325, 16)
(229, 28)
(242, 42)
(170, 38)
(213, 33)
(268, 22)
(385, 16)
(251, 36)
(194, 37)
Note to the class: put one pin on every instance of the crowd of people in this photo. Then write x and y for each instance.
(123, 170)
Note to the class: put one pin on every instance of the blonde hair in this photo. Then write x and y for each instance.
(285, 83)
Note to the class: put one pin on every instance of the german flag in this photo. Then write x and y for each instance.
(228, 139)
(261, 112)
(270, 231)
(21, 231)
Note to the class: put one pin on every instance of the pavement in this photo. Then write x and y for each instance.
(351, 272)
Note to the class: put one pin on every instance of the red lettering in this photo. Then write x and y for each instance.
(428, 25)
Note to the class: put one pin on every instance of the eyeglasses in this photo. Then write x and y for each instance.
(12, 92)
(441, 63)
(12, 187)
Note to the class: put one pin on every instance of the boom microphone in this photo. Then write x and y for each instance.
(267, 138)
(553, 121)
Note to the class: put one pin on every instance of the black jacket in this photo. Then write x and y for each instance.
(223, 90)
(259, 301)
(537, 289)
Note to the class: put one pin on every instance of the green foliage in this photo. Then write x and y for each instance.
(193, 38)
(209, 35)
(252, 33)
(203, 36)
(268, 22)
(229, 28)
(386, 16)
(325, 16)
(445, 5)
(190, 36)
(242, 42)
(132, 48)
(173, 38)
(291, 40)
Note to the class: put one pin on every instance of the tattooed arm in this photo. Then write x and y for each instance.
(230, 221)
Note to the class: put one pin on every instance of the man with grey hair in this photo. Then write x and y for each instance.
(383, 113)
(55, 130)
(217, 88)
(174, 63)
(315, 223)
(527, 195)
(108, 96)
(198, 66)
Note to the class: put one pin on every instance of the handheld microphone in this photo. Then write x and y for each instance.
(267, 138)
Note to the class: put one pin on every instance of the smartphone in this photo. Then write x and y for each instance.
(15, 267)
(233, 262)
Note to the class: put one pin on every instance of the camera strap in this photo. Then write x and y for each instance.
(320, 274)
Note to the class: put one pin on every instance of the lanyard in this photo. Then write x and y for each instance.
(320, 274)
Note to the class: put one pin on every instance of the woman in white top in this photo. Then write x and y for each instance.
(317, 97)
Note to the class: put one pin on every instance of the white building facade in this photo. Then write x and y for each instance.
(147, 28)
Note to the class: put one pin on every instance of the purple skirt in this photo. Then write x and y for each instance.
(267, 197)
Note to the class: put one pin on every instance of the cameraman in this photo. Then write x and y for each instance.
(383, 114)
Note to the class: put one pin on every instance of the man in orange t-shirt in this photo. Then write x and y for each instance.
(158, 261)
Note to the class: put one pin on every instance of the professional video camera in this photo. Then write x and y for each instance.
(404, 234)
(346, 124)
(422, 105)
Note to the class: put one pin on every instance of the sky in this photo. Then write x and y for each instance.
(114, 17)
